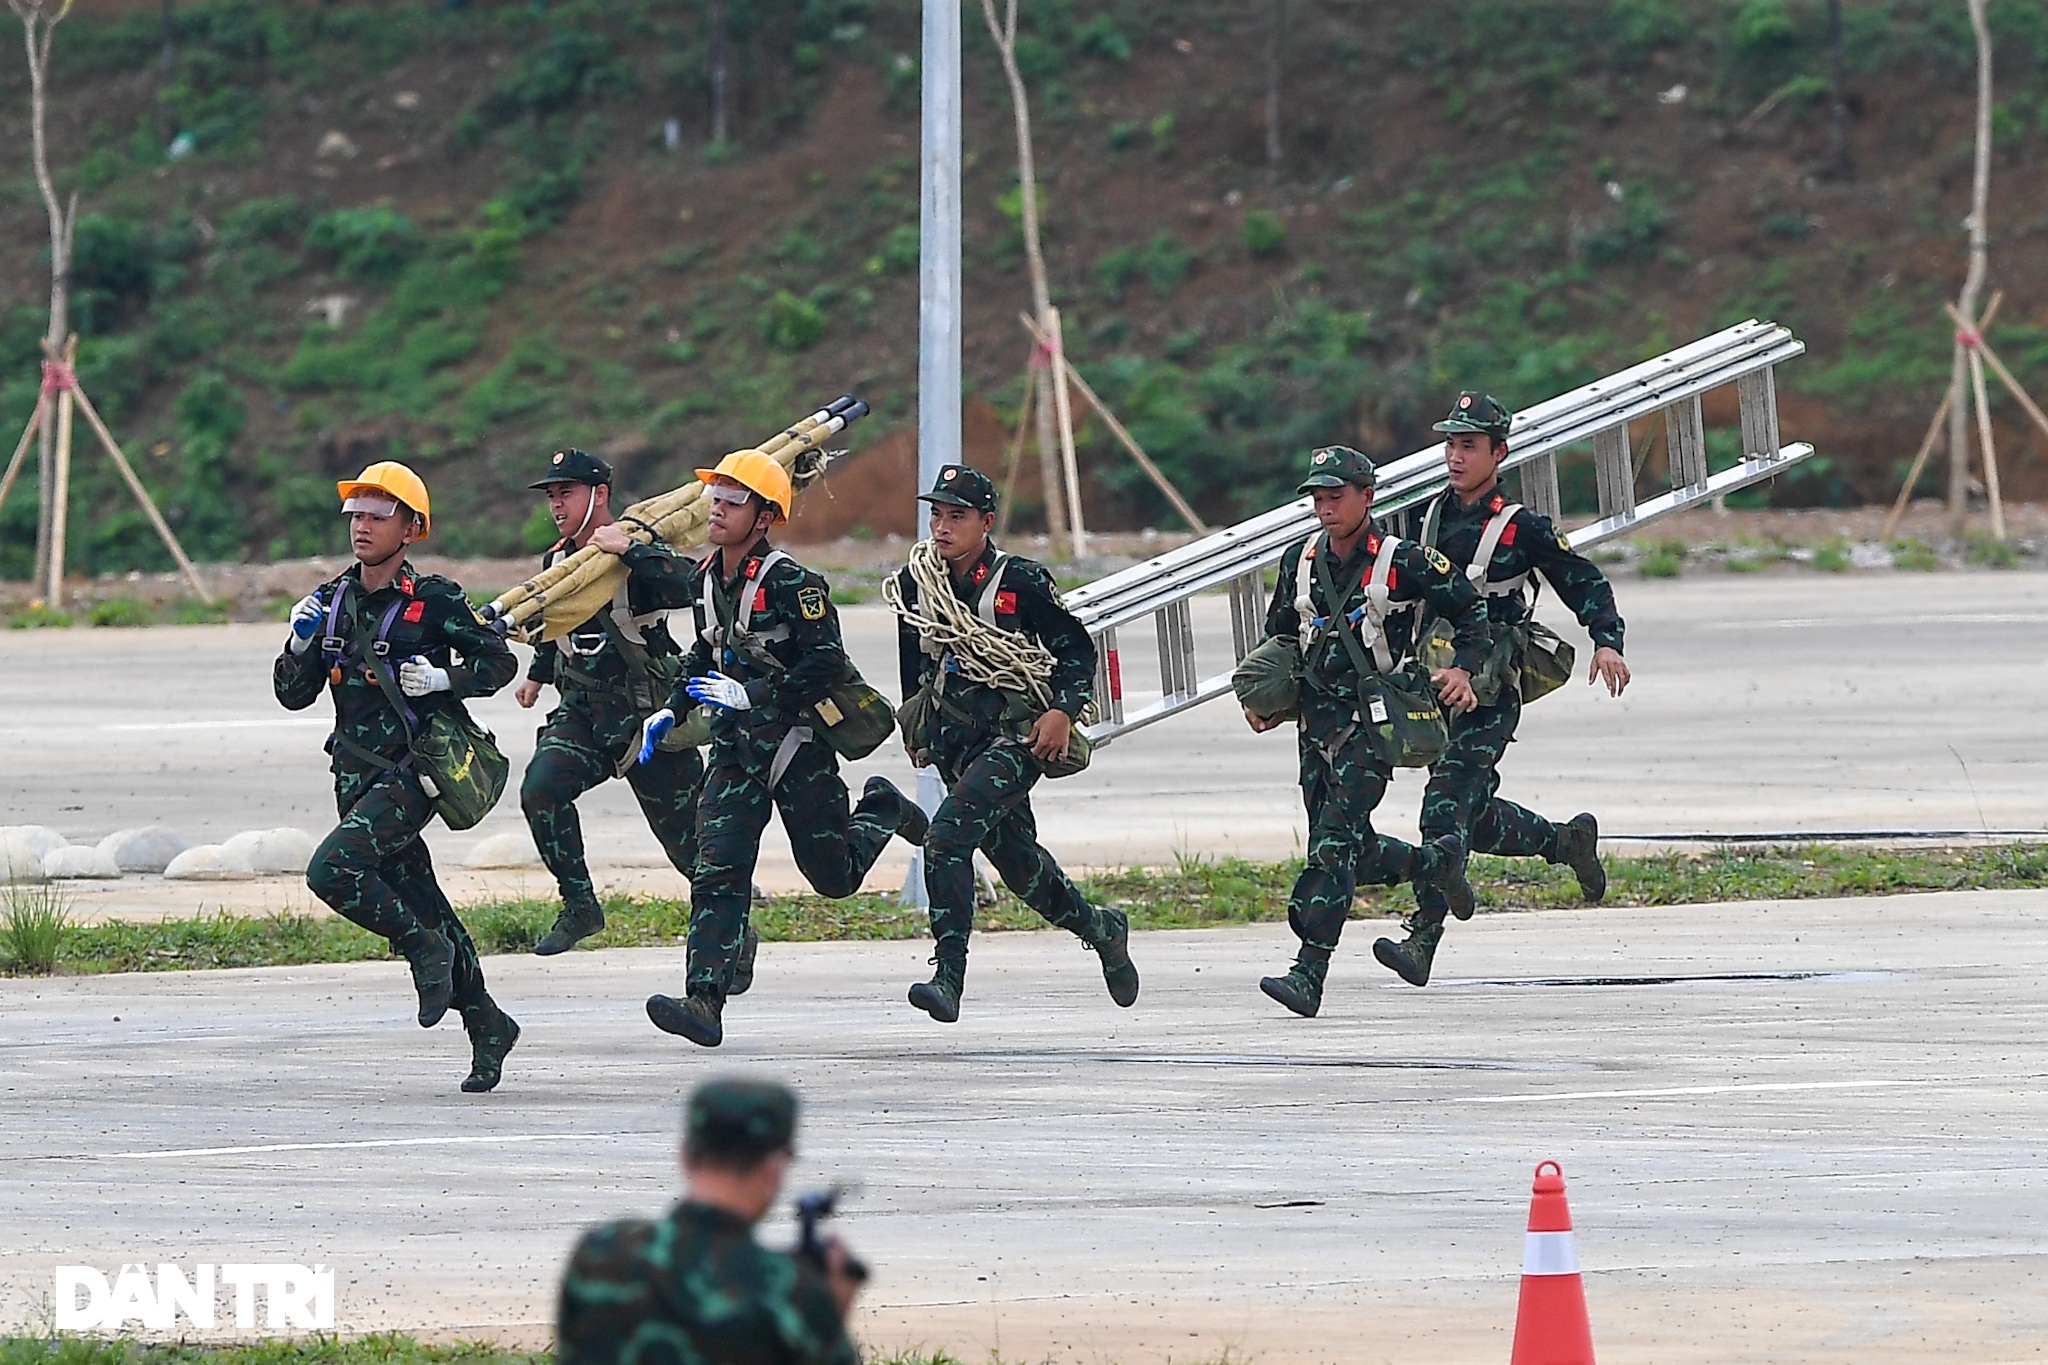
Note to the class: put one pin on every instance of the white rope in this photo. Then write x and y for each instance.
(946, 626)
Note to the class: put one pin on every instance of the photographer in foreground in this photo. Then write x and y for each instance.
(696, 1286)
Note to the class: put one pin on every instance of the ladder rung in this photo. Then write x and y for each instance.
(1615, 470)
(1685, 438)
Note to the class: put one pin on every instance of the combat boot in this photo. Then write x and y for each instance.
(1301, 990)
(572, 926)
(1578, 848)
(743, 963)
(1117, 971)
(432, 959)
(696, 1018)
(1440, 864)
(940, 996)
(912, 824)
(492, 1032)
(1410, 958)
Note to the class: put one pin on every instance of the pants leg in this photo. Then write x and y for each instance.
(566, 763)
(730, 817)
(375, 871)
(1341, 793)
(834, 844)
(988, 806)
(1463, 781)
(667, 786)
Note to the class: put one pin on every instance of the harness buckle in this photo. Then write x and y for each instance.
(332, 644)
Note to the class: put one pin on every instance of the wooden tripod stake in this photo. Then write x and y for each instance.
(61, 379)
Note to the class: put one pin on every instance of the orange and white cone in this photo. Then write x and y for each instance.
(1551, 1326)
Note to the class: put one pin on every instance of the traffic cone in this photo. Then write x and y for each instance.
(1550, 1325)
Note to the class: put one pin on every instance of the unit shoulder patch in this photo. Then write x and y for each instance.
(1436, 559)
(812, 603)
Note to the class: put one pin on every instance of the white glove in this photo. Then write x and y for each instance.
(305, 623)
(651, 732)
(719, 690)
(417, 677)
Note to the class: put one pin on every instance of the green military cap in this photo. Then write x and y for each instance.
(1335, 466)
(575, 466)
(1476, 411)
(739, 1118)
(962, 486)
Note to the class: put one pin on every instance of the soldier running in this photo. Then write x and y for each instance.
(1461, 803)
(613, 671)
(1377, 582)
(374, 869)
(768, 648)
(992, 742)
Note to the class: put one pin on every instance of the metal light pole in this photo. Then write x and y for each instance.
(938, 304)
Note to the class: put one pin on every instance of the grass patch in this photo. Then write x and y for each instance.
(32, 927)
(39, 618)
(1988, 553)
(1832, 555)
(1664, 559)
(1198, 893)
(1915, 556)
(121, 611)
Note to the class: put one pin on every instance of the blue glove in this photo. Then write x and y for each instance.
(306, 614)
(719, 690)
(652, 731)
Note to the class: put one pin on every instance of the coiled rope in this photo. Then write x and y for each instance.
(945, 625)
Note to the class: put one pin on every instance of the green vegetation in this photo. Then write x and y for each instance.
(39, 618)
(1197, 893)
(120, 611)
(1662, 559)
(1832, 555)
(1914, 555)
(34, 918)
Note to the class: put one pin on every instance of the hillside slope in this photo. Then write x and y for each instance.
(455, 233)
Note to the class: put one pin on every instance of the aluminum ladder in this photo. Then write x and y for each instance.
(1236, 558)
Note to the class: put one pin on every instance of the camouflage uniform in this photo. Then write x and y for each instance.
(1342, 778)
(1461, 802)
(695, 1288)
(756, 763)
(597, 725)
(374, 869)
(977, 737)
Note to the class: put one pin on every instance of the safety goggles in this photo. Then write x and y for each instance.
(733, 497)
(375, 506)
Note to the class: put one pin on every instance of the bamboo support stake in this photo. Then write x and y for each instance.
(1891, 522)
(2012, 386)
(1063, 405)
(28, 434)
(1015, 459)
(1990, 447)
(149, 507)
(1130, 442)
(60, 503)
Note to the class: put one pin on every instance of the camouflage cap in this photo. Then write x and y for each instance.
(960, 485)
(575, 466)
(736, 1118)
(1335, 466)
(1475, 411)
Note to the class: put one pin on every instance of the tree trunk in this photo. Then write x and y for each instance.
(1973, 282)
(1005, 36)
(1839, 165)
(721, 71)
(38, 27)
(1273, 37)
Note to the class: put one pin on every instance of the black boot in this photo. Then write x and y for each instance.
(1411, 957)
(432, 959)
(940, 996)
(572, 926)
(1440, 864)
(1301, 990)
(1578, 848)
(912, 824)
(492, 1032)
(743, 963)
(696, 1018)
(1117, 972)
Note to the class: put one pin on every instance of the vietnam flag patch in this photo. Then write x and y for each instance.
(760, 599)
(1006, 603)
(1507, 537)
(417, 612)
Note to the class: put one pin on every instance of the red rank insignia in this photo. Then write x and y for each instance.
(980, 574)
(1497, 504)
(406, 584)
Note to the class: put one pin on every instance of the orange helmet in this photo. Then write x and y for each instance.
(393, 480)
(758, 473)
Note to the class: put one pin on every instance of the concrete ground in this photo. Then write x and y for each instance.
(1842, 1163)
(1779, 702)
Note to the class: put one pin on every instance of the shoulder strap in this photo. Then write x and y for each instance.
(1433, 518)
(1370, 619)
(1489, 541)
(1304, 603)
(380, 667)
(746, 604)
(985, 608)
